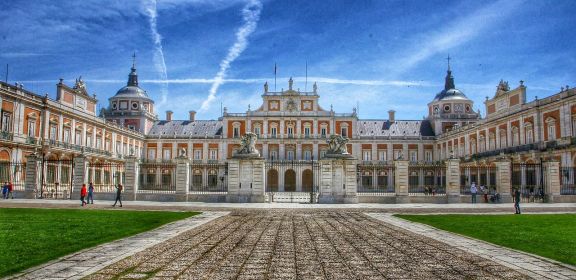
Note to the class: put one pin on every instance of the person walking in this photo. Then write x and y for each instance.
(5, 190)
(10, 190)
(83, 194)
(473, 192)
(118, 195)
(90, 193)
(517, 201)
(485, 193)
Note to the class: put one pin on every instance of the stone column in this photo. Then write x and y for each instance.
(401, 180)
(80, 175)
(552, 181)
(32, 182)
(503, 179)
(246, 180)
(182, 178)
(453, 180)
(338, 181)
(132, 170)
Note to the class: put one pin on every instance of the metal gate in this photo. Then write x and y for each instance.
(14, 173)
(427, 179)
(292, 181)
(106, 176)
(56, 179)
(529, 179)
(480, 174)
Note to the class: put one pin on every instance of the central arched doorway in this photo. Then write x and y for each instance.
(290, 181)
(272, 181)
(307, 180)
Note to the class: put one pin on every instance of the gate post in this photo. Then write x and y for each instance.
(551, 180)
(132, 170)
(453, 180)
(246, 180)
(182, 177)
(504, 178)
(338, 180)
(80, 174)
(401, 179)
(31, 184)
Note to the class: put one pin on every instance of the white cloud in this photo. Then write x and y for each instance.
(159, 63)
(251, 15)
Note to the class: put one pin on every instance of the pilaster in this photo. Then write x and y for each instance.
(453, 180)
(246, 181)
(338, 181)
(132, 170)
(401, 180)
(503, 177)
(80, 173)
(182, 177)
(31, 183)
(552, 183)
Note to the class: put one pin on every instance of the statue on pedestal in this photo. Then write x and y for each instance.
(248, 146)
(337, 146)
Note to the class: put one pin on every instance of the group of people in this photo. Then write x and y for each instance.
(482, 190)
(7, 190)
(88, 194)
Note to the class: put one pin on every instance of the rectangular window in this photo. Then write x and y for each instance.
(290, 155)
(107, 147)
(551, 131)
(99, 143)
(53, 130)
(273, 132)
(273, 155)
(344, 131)
(257, 130)
(382, 155)
(322, 153)
(166, 154)
(88, 141)
(413, 156)
(397, 154)
(78, 139)
(290, 132)
(428, 156)
(152, 154)
(213, 154)
(307, 155)
(118, 147)
(366, 155)
(7, 121)
(323, 132)
(125, 148)
(306, 132)
(32, 128)
(197, 154)
(236, 132)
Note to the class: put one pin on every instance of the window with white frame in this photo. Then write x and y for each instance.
(461, 149)
(53, 132)
(6, 121)
(515, 136)
(78, 138)
(257, 130)
(274, 155)
(397, 154)
(99, 142)
(118, 147)
(529, 131)
(428, 156)
(290, 131)
(322, 153)
(151, 153)
(413, 156)
(166, 154)
(323, 130)
(236, 131)
(273, 131)
(382, 156)
(473, 146)
(125, 149)
(492, 141)
(197, 154)
(107, 144)
(503, 138)
(32, 127)
(551, 127)
(213, 154)
(88, 140)
(344, 130)
(307, 154)
(307, 129)
(482, 144)
(66, 136)
(366, 155)
(290, 155)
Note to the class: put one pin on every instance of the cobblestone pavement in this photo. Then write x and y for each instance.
(286, 244)
(534, 266)
(85, 262)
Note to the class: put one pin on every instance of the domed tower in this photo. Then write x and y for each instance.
(131, 107)
(450, 108)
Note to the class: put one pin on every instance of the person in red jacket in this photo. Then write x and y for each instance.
(10, 190)
(83, 194)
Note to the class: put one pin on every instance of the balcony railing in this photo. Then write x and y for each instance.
(5, 135)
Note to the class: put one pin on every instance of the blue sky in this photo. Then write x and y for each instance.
(381, 55)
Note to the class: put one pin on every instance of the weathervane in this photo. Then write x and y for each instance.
(448, 58)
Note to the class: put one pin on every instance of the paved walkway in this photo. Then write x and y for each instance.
(88, 261)
(534, 266)
(288, 244)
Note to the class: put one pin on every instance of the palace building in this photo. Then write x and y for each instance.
(292, 128)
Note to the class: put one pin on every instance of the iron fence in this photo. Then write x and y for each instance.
(427, 179)
(290, 179)
(14, 173)
(568, 186)
(106, 176)
(56, 177)
(529, 179)
(484, 176)
(157, 178)
(375, 179)
(208, 178)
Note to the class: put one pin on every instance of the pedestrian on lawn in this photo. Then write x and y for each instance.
(118, 195)
(517, 201)
(90, 193)
(10, 190)
(473, 192)
(83, 194)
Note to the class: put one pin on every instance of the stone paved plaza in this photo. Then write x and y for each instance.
(285, 244)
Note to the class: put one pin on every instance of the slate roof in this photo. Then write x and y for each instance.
(398, 128)
(187, 129)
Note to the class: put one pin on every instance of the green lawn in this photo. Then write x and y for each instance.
(29, 237)
(552, 236)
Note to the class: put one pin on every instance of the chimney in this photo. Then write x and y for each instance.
(192, 115)
(169, 116)
(391, 115)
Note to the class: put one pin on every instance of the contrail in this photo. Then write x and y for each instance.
(159, 63)
(250, 15)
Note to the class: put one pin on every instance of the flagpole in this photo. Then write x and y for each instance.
(306, 83)
(275, 78)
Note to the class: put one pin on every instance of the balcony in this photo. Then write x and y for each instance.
(5, 135)
(31, 140)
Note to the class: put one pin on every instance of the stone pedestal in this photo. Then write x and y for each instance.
(552, 183)
(32, 182)
(401, 181)
(246, 180)
(80, 176)
(338, 181)
(182, 178)
(503, 179)
(132, 170)
(453, 180)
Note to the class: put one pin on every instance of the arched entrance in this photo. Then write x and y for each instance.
(290, 181)
(307, 180)
(272, 181)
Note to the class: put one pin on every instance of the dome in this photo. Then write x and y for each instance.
(131, 91)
